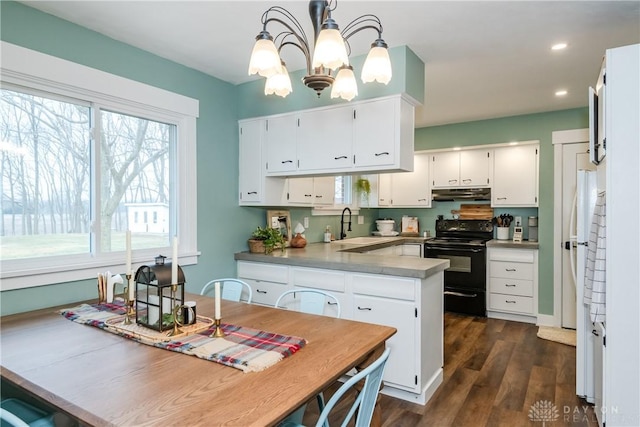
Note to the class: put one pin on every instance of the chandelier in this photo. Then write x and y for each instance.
(329, 52)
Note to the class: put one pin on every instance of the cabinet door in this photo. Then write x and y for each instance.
(400, 367)
(280, 142)
(412, 188)
(324, 190)
(325, 139)
(384, 189)
(515, 176)
(445, 169)
(375, 134)
(251, 167)
(474, 168)
(301, 191)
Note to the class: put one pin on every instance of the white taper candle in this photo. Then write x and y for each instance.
(174, 262)
(217, 295)
(128, 267)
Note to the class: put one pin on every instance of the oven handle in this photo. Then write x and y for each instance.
(458, 249)
(460, 294)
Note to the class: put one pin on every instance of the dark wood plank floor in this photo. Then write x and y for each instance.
(495, 373)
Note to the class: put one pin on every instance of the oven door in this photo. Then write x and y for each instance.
(467, 265)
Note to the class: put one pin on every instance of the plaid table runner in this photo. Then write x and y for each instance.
(247, 349)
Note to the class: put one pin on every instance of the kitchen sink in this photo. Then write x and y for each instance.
(363, 240)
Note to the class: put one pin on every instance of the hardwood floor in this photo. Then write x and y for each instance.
(495, 373)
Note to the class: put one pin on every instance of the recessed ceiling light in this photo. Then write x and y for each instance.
(561, 93)
(559, 46)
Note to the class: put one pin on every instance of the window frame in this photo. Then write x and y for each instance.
(25, 69)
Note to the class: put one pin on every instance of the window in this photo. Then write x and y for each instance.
(81, 164)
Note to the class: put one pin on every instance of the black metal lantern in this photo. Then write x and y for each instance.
(156, 296)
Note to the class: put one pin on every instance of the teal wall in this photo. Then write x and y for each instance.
(221, 104)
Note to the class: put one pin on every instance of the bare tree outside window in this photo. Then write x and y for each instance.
(46, 162)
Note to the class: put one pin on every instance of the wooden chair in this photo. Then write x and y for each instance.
(231, 289)
(364, 403)
(312, 301)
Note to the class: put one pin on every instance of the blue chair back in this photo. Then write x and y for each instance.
(231, 289)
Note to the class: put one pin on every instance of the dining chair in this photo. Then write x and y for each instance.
(17, 413)
(312, 301)
(231, 289)
(364, 403)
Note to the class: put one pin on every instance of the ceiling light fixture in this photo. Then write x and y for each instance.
(559, 46)
(561, 93)
(329, 52)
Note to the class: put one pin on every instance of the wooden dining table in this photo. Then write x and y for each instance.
(103, 379)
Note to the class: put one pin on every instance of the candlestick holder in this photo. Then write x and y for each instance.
(176, 330)
(218, 333)
(128, 303)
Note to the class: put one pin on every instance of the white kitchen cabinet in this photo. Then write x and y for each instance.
(411, 249)
(333, 282)
(463, 169)
(255, 188)
(281, 144)
(325, 139)
(515, 176)
(512, 278)
(312, 191)
(267, 281)
(383, 133)
(406, 189)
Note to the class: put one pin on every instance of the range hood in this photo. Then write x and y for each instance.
(450, 194)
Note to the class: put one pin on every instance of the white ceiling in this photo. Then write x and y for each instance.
(483, 59)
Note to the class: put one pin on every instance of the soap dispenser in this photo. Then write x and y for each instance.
(327, 235)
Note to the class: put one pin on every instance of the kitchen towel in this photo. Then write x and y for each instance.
(247, 349)
(595, 273)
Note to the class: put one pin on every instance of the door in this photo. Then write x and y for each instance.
(574, 157)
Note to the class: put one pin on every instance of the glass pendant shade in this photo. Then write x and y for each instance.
(345, 85)
(278, 84)
(330, 51)
(377, 66)
(265, 59)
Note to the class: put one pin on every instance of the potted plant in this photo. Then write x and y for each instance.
(363, 188)
(265, 240)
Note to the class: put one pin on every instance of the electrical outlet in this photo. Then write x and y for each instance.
(361, 219)
(305, 222)
(518, 221)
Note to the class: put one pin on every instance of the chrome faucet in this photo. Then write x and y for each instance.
(342, 233)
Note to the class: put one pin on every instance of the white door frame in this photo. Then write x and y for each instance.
(557, 139)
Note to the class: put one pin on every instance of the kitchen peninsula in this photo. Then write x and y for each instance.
(372, 286)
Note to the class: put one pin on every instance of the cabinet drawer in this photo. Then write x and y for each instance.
(511, 286)
(513, 255)
(264, 292)
(384, 286)
(511, 270)
(514, 303)
(262, 271)
(319, 279)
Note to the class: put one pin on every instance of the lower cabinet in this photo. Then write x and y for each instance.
(411, 305)
(512, 284)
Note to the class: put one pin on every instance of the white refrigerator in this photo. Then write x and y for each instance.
(586, 195)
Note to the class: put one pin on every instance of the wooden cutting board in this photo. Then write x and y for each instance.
(474, 211)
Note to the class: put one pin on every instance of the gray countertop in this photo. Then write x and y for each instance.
(345, 255)
(525, 244)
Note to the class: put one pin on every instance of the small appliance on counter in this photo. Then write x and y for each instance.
(385, 227)
(533, 228)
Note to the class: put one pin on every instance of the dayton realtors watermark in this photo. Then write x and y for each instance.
(545, 411)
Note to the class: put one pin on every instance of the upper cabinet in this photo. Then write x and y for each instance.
(406, 189)
(368, 136)
(515, 176)
(280, 144)
(311, 191)
(464, 168)
(254, 187)
(325, 139)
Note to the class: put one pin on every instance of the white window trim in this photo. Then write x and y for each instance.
(31, 69)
